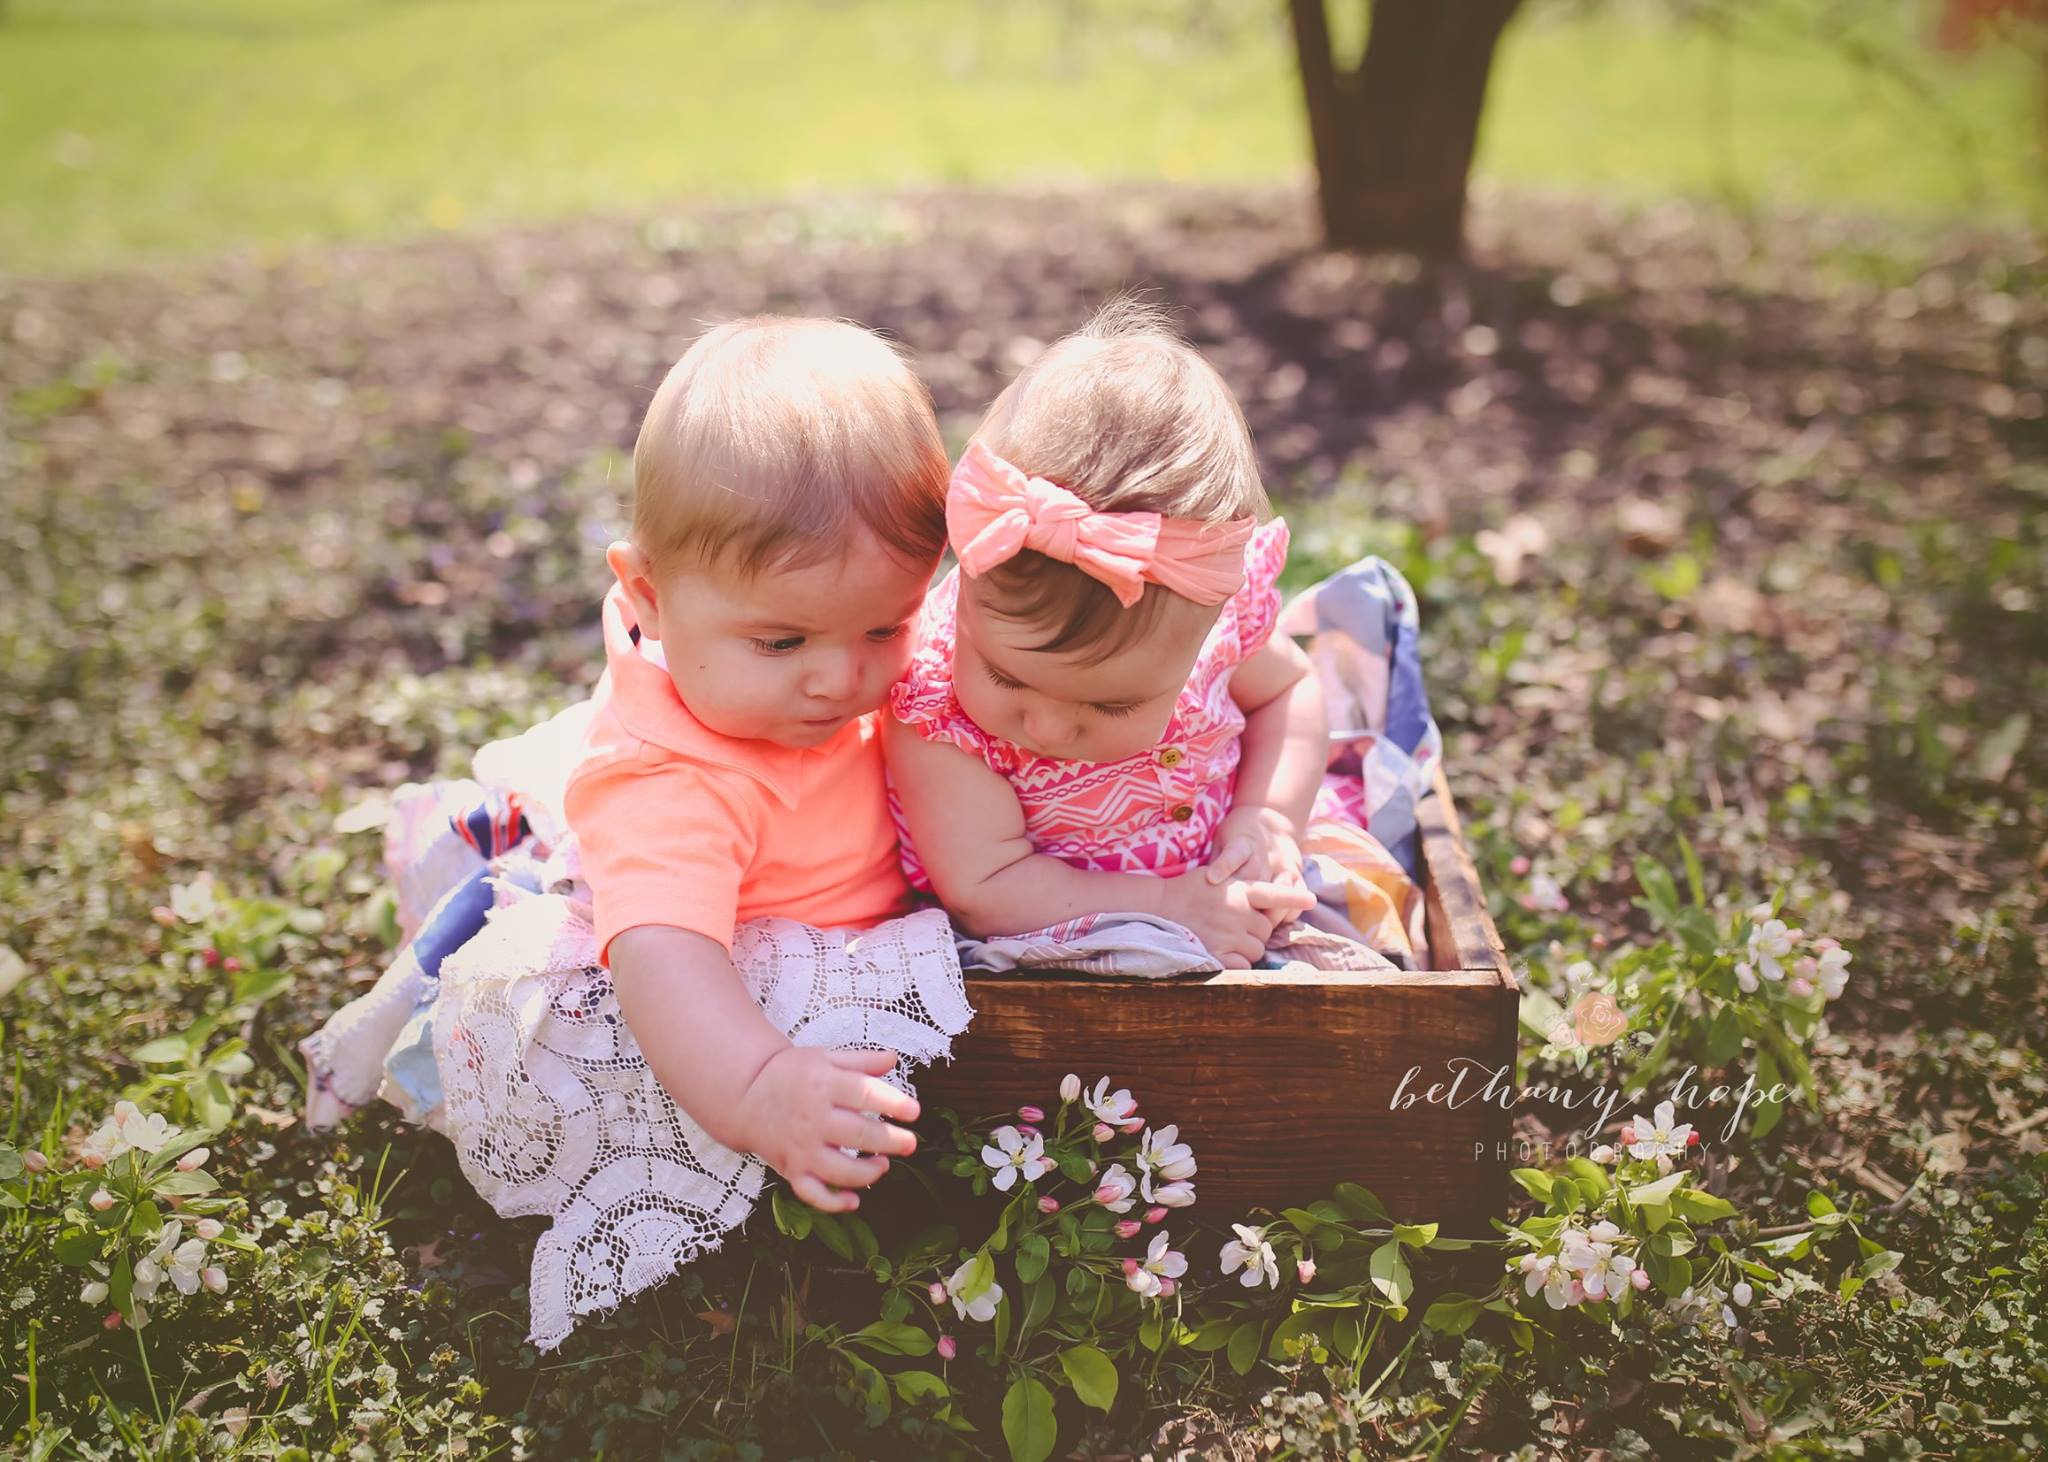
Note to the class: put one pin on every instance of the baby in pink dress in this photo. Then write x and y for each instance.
(1098, 716)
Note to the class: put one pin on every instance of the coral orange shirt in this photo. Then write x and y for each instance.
(679, 825)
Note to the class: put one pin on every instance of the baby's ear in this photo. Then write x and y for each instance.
(635, 573)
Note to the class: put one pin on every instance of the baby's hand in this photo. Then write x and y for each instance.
(1258, 844)
(808, 1103)
(1233, 920)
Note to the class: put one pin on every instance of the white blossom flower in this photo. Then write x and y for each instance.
(1250, 1251)
(100, 1201)
(1833, 963)
(1742, 1292)
(208, 1228)
(1111, 1107)
(1305, 1271)
(1115, 1190)
(94, 1292)
(1600, 1269)
(1664, 1137)
(1602, 1154)
(214, 1278)
(1140, 1281)
(1070, 1088)
(971, 1301)
(1163, 1260)
(1161, 1154)
(1544, 1272)
(194, 902)
(1745, 977)
(196, 1158)
(1170, 1195)
(1769, 943)
(1013, 1153)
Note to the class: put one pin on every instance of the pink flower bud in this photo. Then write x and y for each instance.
(211, 958)
(948, 1347)
(1130, 1267)
(1166, 1286)
(1305, 1270)
(1048, 1204)
(35, 1162)
(1799, 987)
(1128, 1228)
(1663, 1162)
(1578, 1292)
(1070, 1088)
(208, 1228)
(214, 1278)
(1602, 1154)
(1692, 1139)
(113, 1320)
(1156, 1213)
(169, 920)
(1640, 1278)
(1031, 1114)
(937, 1292)
(232, 965)
(91, 1160)
(1103, 1132)
(1027, 1129)
(1519, 865)
(195, 1158)
(1628, 1135)
(1134, 1124)
(101, 1200)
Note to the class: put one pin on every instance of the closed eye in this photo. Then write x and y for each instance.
(1001, 679)
(779, 646)
(883, 636)
(1123, 710)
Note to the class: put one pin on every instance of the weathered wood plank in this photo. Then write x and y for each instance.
(1287, 1083)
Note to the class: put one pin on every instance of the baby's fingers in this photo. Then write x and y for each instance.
(820, 1197)
(867, 1094)
(837, 1168)
(1235, 854)
(1278, 897)
(848, 1130)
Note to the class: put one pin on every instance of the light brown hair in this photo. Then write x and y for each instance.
(773, 438)
(1127, 416)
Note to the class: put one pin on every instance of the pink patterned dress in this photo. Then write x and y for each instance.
(1155, 812)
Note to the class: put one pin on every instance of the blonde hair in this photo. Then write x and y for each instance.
(1127, 416)
(773, 438)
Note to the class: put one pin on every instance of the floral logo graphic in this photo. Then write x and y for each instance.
(1598, 1019)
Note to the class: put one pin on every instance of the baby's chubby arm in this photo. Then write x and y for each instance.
(969, 830)
(1285, 749)
(713, 1050)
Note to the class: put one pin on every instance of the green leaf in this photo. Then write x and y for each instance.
(1535, 1181)
(832, 1233)
(1244, 1346)
(1092, 1375)
(1695, 881)
(1074, 1167)
(892, 1337)
(186, 1185)
(1028, 1421)
(1390, 1273)
(1818, 1204)
(1360, 1204)
(1453, 1313)
(1724, 1036)
(79, 1247)
(1039, 1298)
(1415, 1235)
(1660, 893)
(1212, 1334)
(164, 1051)
(1034, 1252)
(1646, 1195)
(1591, 1177)
(791, 1216)
(914, 1386)
(1691, 1203)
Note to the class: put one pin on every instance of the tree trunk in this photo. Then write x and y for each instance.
(1393, 137)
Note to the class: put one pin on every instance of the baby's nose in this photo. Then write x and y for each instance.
(1049, 728)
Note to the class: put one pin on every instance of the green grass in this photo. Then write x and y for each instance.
(130, 130)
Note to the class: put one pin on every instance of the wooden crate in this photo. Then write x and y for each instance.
(1283, 1083)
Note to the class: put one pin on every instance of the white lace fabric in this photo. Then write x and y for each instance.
(553, 1110)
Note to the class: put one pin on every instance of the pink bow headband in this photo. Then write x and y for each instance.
(994, 511)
